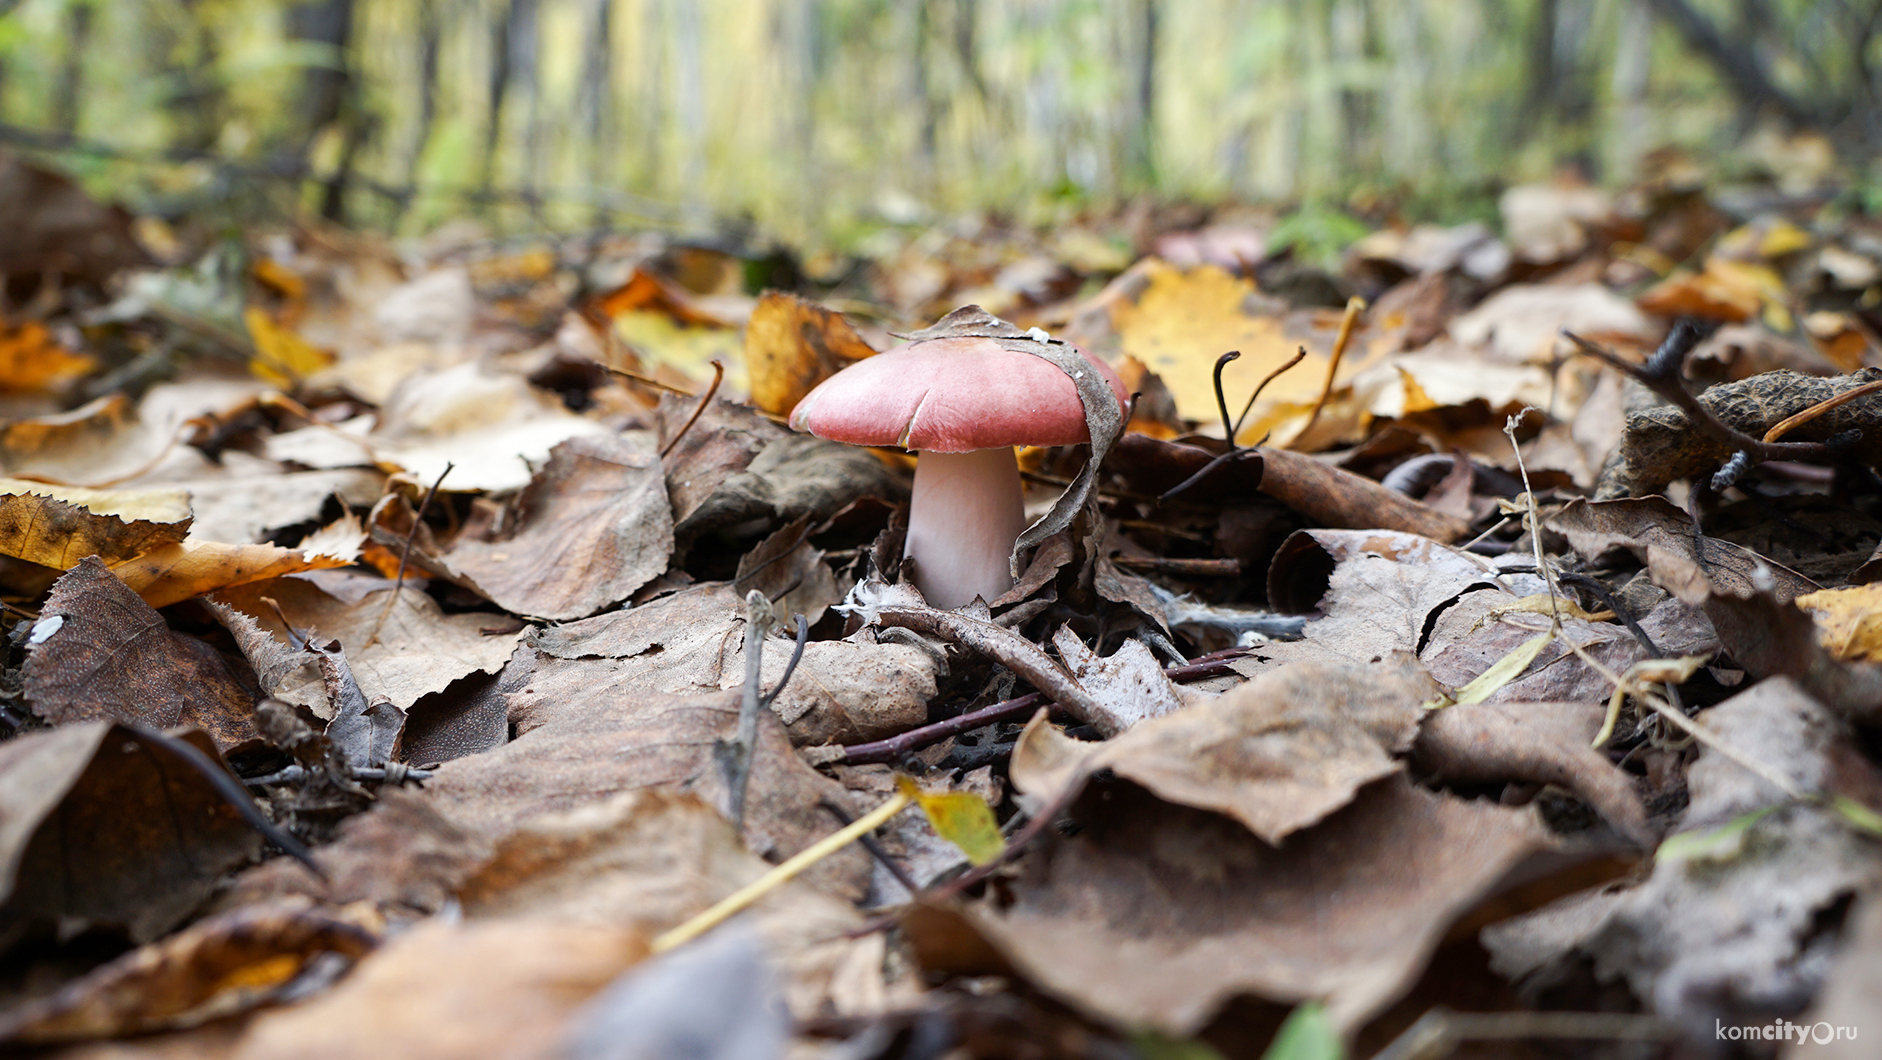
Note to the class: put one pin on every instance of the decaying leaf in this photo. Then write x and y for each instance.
(58, 526)
(1728, 926)
(1152, 915)
(215, 968)
(418, 649)
(100, 652)
(593, 526)
(1276, 754)
(101, 828)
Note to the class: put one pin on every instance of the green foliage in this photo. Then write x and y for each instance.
(1307, 1035)
(1317, 234)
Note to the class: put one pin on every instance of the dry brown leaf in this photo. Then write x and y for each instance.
(99, 828)
(1661, 536)
(791, 345)
(790, 572)
(419, 650)
(1153, 915)
(100, 652)
(215, 968)
(1278, 754)
(593, 526)
(442, 991)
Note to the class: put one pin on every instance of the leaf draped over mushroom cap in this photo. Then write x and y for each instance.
(1102, 415)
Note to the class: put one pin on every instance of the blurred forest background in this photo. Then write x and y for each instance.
(814, 120)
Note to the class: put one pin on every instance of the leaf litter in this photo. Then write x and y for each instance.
(488, 594)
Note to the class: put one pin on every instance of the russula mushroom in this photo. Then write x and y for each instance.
(962, 403)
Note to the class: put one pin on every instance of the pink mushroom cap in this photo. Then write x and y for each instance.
(951, 395)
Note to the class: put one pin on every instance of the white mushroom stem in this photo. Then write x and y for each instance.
(964, 515)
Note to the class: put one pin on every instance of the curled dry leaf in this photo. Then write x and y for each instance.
(100, 652)
(217, 967)
(100, 828)
(1539, 743)
(56, 526)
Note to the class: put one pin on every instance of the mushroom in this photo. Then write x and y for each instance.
(962, 403)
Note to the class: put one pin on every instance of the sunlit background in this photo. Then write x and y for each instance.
(814, 120)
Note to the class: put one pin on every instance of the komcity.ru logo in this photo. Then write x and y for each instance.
(1785, 1031)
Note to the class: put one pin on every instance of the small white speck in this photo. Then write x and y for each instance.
(1038, 335)
(44, 629)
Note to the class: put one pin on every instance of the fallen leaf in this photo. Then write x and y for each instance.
(215, 968)
(104, 829)
(1522, 323)
(1726, 927)
(1129, 685)
(419, 649)
(443, 990)
(1183, 320)
(32, 361)
(1277, 754)
(1153, 915)
(56, 526)
(172, 573)
(1849, 621)
(1539, 743)
(282, 358)
(100, 652)
(593, 525)
(792, 345)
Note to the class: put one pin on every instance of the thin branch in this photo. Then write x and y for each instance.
(718, 375)
(398, 580)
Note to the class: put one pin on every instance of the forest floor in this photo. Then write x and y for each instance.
(408, 643)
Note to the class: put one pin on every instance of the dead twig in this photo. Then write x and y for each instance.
(736, 757)
(398, 580)
(718, 376)
(1661, 374)
(1354, 306)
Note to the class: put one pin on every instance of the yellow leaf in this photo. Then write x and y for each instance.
(31, 360)
(282, 358)
(1504, 670)
(1849, 621)
(960, 817)
(1184, 320)
(180, 571)
(792, 345)
(56, 526)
